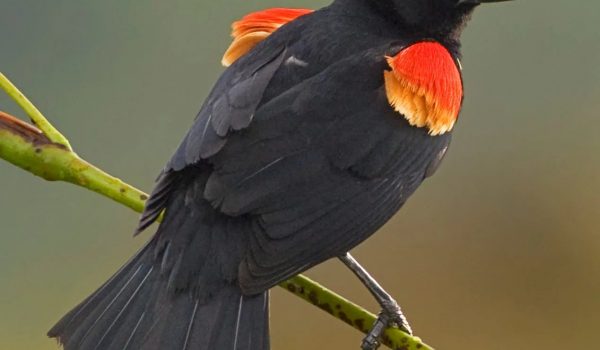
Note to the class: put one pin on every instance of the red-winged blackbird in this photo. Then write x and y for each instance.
(321, 128)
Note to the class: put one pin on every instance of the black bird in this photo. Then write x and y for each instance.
(321, 128)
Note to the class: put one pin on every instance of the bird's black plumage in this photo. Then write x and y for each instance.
(295, 157)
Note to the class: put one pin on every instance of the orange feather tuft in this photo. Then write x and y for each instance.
(425, 86)
(255, 27)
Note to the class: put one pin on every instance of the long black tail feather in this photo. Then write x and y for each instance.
(135, 310)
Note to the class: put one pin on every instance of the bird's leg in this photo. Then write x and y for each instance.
(390, 314)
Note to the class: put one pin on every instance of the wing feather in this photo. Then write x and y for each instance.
(230, 107)
(321, 168)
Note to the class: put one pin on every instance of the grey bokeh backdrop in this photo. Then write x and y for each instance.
(499, 250)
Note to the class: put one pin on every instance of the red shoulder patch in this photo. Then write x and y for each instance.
(425, 86)
(255, 27)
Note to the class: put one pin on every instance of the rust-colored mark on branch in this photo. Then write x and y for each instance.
(23, 129)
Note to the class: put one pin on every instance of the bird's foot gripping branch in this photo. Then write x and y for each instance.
(42, 150)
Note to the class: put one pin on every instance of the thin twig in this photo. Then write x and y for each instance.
(36, 116)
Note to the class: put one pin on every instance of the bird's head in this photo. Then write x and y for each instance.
(430, 17)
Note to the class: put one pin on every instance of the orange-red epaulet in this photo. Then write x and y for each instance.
(255, 27)
(425, 86)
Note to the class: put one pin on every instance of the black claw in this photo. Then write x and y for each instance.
(395, 314)
(370, 344)
(391, 315)
(371, 341)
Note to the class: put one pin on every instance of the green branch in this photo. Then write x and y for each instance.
(43, 151)
(36, 116)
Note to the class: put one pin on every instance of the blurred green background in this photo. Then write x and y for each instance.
(499, 250)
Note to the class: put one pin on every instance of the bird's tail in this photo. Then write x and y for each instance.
(135, 310)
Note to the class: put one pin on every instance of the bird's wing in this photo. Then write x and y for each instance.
(232, 102)
(230, 107)
(316, 168)
(321, 167)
